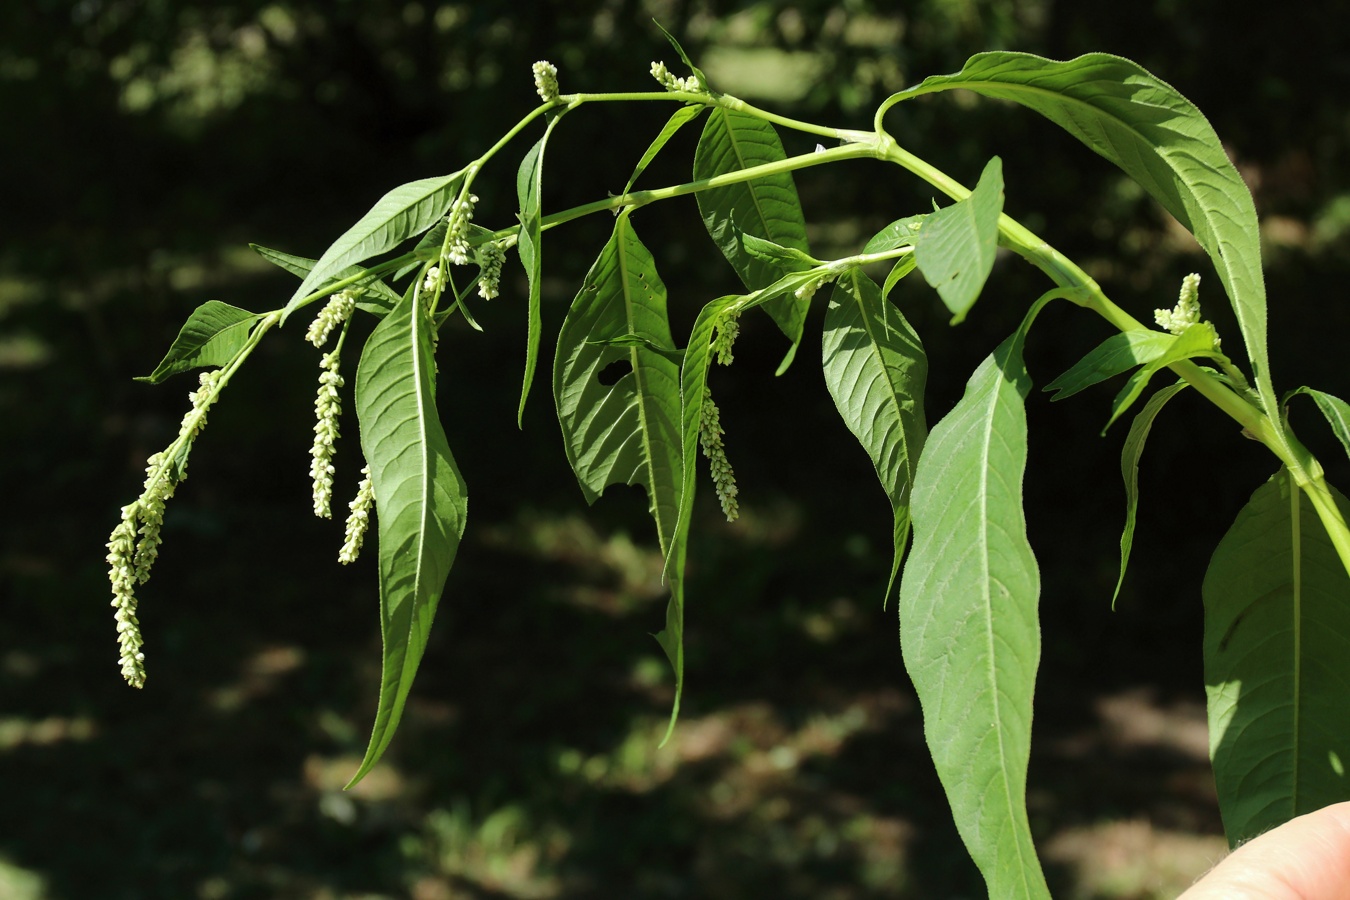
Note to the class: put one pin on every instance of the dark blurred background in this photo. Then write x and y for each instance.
(147, 141)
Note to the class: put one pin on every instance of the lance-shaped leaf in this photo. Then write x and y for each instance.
(1118, 353)
(374, 296)
(875, 369)
(618, 398)
(1334, 409)
(702, 78)
(1277, 663)
(1129, 470)
(767, 207)
(969, 630)
(956, 245)
(678, 120)
(420, 501)
(529, 188)
(211, 337)
(1197, 341)
(407, 210)
(1147, 128)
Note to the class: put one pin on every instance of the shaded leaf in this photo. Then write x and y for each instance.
(784, 259)
(211, 337)
(702, 78)
(903, 266)
(767, 207)
(1277, 663)
(1199, 340)
(969, 629)
(420, 501)
(407, 210)
(680, 118)
(375, 297)
(1159, 138)
(956, 245)
(529, 189)
(875, 369)
(1118, 353)
(1336, 411)
(900, 233)
(1129, 470)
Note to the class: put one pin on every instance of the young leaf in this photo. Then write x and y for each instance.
(684, 57)
(407, 210)
(956, 246)
(900, 233)
(210, 338)
(1129, 470)
(1336, 411)
(875, 369)
(767, 207)
(420, 501)
(529, 187)
(1199, 340)
(785, 259)
(1118, 353)
(678, 120)
(624, 430)
(968, 620)
(375, 297)
(1277, 663)
(1147, 128)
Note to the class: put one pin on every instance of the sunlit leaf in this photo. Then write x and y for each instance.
(1129, 470)
(1197, 341)
(420, 501)
(956, 245)
(680, 118)
(702, 78)
(1336, 411)
(1118, 353)
(407, 210)
(969, 629)
(875, 369)
(374, 296)
(529, 188)
(766, 207)
(900, 233)
(1277, 662)
(210, 338)
(1160, 139)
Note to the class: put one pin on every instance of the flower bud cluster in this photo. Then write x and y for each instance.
(668, 80)
(338, 310)
(158, 488)
(546, 80)
(432, 281)
(727, 327)
(327, 409)
(1187, 311)
(358, 520)
(194, 420)
(808, 290)
(710, 437)
(121, 548)
(491, 257)
(461, 214)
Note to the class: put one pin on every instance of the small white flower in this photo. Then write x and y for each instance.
(1187, 311)
(337, 310)
(491, 256)
(122, 574)
(546, 80)
(461, 214)
(668, 80)
(358, 520)
(327, 409)
(432, 281)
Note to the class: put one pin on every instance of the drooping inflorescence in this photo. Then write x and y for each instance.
(327, 410)
(337, 310)
(710, 438)
(457, 238)
(727, 327)
(358, 520)
(491, 257)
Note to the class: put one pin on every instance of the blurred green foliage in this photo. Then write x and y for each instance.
(147, 141)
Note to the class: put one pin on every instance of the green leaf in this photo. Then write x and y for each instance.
(374, 297)
(1129, 470)
(702, 79)
(956, 246)
(784, 259)
(968, 620)
(1277, 662)
(900, 233)
(767, 207)
(1199, 340)
(1118, 353)
(1336, 411)
(903, 266)
(681, 117)
(875, 369)
(1158, 137)
(211, 337)
(420, 501)
(626, 431)
(407, 210)
(529, 188)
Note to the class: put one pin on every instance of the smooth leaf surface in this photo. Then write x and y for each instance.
(766, 207)
(210, 338)
(407, 210)
(900, 233)
(903, 266)
(875, 369)
(625, 430)
(1334, 409)
(1159, 138)
(374, 297)
(1129, 471)
(956, 245)
(969, 630)
(529, 190)
(1277, 663)
(1118, 353)
(1197, 341)
(420, 501)
(784, 259)
(681, 117)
